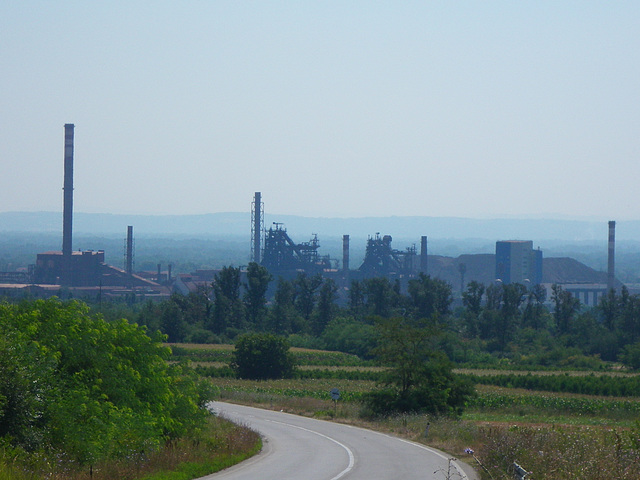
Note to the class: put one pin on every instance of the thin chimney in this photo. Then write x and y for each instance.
(67, 216)
(129, 254)
(611, 271)
(423, 254)
(345, 253)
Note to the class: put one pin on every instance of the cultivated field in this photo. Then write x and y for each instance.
(548, 430)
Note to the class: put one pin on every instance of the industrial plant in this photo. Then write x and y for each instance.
(86, 273)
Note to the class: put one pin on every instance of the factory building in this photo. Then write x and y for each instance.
(518, 262)
(85, 269)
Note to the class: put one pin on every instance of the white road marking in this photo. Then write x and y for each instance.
(348, 450)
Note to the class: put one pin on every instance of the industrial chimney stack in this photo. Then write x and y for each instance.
(423, 254)
(611, 271)
(67, 216)
(257, 226)
(345, 253)
(129, 251)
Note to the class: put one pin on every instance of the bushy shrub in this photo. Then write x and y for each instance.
(262, 356)
(349, 336)
(88, 388)
(631, 356)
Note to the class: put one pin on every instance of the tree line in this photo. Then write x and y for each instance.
(493, 322)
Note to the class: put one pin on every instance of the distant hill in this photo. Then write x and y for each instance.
(216, 224)
(224, 238)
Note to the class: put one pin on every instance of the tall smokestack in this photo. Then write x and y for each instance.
(423, 254)
(345, 253)
(67, 216)
(129, 254)
(257, 226)
(611, 277)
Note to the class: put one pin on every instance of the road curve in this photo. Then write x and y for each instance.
(308, 449)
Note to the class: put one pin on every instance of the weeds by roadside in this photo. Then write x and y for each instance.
(552, 452)
(220, 445)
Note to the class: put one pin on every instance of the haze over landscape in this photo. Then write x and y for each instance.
(420, 218)
(331, 109)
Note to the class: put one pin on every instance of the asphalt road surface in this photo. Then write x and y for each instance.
(302, 448)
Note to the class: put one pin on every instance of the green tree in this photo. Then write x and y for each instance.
(509, 318)
(565, 308)
(356, 300)
(629, 321)
(472, 297)
(609, 308)
(101, 389)
(489, 316)
(255, 296)
(172, 321)
(149, 316)
(326, 307)
(228, 310)
(306, 289)
(430, 296)
(380, 296)
(262, 356)
(419, 377)
(631, 356)
(345, 334)
(21, 390)
(197, 307)
(472, 301)
(282, 315)
(535, 314)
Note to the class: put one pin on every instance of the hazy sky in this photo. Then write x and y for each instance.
(345, 108)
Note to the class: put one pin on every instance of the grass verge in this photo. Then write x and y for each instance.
(220, 445)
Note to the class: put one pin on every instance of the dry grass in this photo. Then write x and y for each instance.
(553, 445)
(552, 452)
(219, 446)
(560, 452)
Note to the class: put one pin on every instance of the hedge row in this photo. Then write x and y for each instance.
(601, 385)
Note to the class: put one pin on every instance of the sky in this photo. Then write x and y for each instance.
(477, 109)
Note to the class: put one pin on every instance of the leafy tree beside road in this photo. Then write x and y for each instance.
(75, 384)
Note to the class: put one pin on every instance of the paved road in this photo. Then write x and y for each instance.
(307, 449)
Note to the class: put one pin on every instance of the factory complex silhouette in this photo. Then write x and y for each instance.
(86, 274)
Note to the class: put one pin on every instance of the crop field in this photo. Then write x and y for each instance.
(533, 418)
(303, 356)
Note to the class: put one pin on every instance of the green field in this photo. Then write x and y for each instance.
(555, 434)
